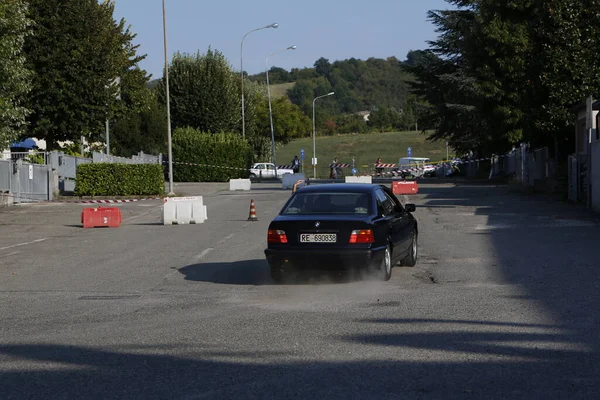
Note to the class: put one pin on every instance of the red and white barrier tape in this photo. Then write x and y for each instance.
(226, 167)
(432, 164)
(209, 166)
(116, 201)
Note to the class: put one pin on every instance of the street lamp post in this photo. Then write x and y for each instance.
(270, 110)
(242, 71)
(170, 147)
(314, 135)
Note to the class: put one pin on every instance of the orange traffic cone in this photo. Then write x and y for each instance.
(252, 216)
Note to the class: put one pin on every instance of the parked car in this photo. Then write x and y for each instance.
(267, 170)
(340, 227)
(415, 166)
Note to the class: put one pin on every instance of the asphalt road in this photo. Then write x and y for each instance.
(502, 304)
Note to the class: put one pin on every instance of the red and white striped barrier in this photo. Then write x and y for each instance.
(339, 165)
(104, 201)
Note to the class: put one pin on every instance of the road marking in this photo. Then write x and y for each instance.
(10, 254)
(203, 254)
(22, 244)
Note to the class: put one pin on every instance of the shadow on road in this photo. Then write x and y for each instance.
(247, 272)
(257, 272)
(547, 248)
(494, 366)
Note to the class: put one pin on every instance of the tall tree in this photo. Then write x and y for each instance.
(472, 74)
(77, 51)
(289, 122)
(565, 47)
(143, 128)
(505, 71)
(205, 94)
(14, 76)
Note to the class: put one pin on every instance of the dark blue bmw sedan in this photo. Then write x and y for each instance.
(340, 227)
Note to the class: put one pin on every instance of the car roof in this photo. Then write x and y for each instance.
(339, 187)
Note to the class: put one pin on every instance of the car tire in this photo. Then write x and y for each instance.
(411, 259)
(385, 270)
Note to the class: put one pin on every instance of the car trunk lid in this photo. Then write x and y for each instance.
(319, 230)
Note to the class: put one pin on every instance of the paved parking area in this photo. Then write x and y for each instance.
(501, 305)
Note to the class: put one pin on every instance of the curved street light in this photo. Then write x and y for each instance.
(314, 135)
(270, 110)
(242, 70)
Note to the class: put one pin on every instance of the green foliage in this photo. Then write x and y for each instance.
(15, 78)
(364, 148)
(77, 50)
(106, 179)
(36, 158)
(358, 85)
(505, 71)
(277, 75)
(261, 148)
(141, 130)
(73, 149)
(228, 151)
(289, 122)
(204, 92)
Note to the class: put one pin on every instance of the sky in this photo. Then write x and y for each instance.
(335, 30)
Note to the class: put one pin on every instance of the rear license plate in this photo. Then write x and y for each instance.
(318, 238)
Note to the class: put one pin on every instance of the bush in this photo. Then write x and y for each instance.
(105, 179)
(226, 156)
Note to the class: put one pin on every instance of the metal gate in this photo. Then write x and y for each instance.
(30, 182)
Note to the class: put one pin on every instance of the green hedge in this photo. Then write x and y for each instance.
(105, 179)
(214, 150)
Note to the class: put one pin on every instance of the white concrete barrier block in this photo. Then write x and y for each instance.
(239, 184)
(6, 199)
(184, 210)
(359, 179)
(289, 180)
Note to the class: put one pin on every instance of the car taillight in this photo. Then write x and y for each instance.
(276, 236)
(362, 236)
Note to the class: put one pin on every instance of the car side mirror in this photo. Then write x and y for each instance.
(410, 207)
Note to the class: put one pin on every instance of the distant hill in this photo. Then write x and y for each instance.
(281, 89)
(358, 85)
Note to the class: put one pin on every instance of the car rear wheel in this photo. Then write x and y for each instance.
(411, 259)
(385, 271)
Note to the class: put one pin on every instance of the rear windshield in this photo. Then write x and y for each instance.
(329, 203)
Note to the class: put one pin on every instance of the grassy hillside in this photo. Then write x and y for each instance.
(280, 89)
(365, 148)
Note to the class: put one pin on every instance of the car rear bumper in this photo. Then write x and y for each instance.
(317, 259)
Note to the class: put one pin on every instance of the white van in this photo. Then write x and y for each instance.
(421, 163)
